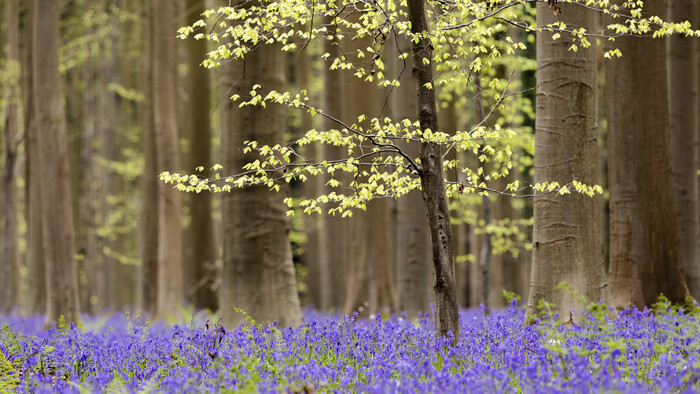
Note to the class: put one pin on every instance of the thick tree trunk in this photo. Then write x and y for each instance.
(170, 288)
(370, 259)
(55, 185)
(432, 180)
(682, 77)
(645, 258)
(414, 273)
(149, 209)
(566, 235)
(10, 254)
(34, 299)
(334, 239)
(258, 273)
(201, 249)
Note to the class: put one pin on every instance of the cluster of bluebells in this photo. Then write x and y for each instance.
(630, 351)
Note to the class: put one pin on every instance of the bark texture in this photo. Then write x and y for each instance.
(567, 245)
(170, 287)
(432, 180)
(59, 239)
(258, 273)
(149, 182)
(645, 258)
(414, 273)
(682, 78)
(201, 253)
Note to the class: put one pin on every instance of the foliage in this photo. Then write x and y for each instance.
(632, 350)
(467, 39)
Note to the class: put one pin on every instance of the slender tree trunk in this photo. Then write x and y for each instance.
(201, 257)
(682, 78)
(645, 258)
(149, 209)
(55, 185)
(414, 274)
(258, 272)
(10, 253)
(432, 180)
(170, 287)
(566, 235)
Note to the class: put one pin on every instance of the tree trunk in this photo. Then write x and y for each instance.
(55, 186)
(149, 210)
(34, 300)
(370, 260)
(170, 288)
(567, 243)
(258, 273)
(682, 77)
(201, 253)
(333, 240)
(414, 274)
(10, 268)
(645, 258)
(432, 180)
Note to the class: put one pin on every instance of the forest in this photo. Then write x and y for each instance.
(259, 195)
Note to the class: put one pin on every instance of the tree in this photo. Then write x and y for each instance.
(682, 77)
(201, 257)
(59, 239)
(566, 236)
(258, 273)
(170, 291)
(645, 257)
(10, 254)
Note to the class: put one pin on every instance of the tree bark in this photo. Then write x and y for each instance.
(258, 273)
(34, 299)
(333, 240)
(149, 209)
(170, 287)
(682, 77)
(58, 233)
(10, 253)
(645, 258)
(201, 253)
(432, 180)
(414, 274)
(567, 242)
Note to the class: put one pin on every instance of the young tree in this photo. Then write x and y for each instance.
(645, 257)
(567, 243)
(59, 239)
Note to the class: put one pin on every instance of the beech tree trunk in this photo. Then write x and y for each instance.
(432, 180)
(202, 251)
(170, 287)
(682, 78)
(645, 258)
(10, 254)
(149, 210)
(567, 245)
(258, 272)
(34, 299)
(414, 273)
(333, 240)
(54, 185)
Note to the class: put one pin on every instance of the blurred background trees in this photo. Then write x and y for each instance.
(96, 108)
